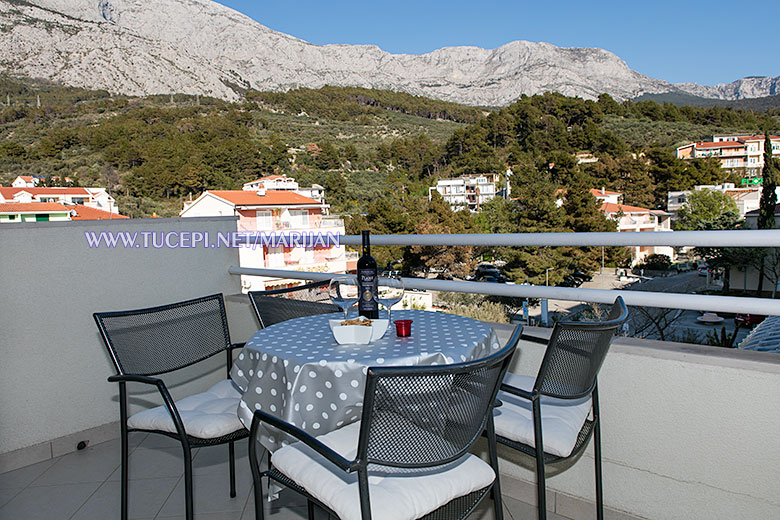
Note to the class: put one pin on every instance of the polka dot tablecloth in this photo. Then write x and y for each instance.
(296, 371)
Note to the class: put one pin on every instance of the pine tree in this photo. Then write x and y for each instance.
(766, 216)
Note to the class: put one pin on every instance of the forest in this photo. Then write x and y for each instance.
(376, 153)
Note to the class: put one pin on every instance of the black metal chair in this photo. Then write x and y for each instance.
(407, 457)
(157, 340)
(279, 305)
(562, 400)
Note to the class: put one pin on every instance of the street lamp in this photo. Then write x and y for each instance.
(547, 276)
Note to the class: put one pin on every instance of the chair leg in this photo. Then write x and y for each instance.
(597, 455)
(257, 477)
(125, 451)
(188, 502)
(597, 458)
(496, 489)
(541, 489)
(232, 450)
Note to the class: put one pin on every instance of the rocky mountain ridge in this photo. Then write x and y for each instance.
(201, 47)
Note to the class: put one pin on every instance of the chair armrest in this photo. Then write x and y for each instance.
(308, 440)
(133, 378)
(530, 396)
(229, 351)
(166, 396)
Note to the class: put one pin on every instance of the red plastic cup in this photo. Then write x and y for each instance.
(403, 328)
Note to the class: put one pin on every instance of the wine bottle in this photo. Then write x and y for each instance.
(367, 281)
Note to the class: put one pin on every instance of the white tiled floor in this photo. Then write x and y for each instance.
(84, 485)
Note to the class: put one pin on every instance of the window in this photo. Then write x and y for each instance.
(264, 220)
(299, 218)
(42, 217)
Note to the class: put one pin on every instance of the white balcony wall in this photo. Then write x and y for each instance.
(55, 365)
(688, 431)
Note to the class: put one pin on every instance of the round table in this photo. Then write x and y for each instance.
(296, 371)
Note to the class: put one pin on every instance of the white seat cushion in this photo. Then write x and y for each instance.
(562, 419)
(395, 494)
(208, 415)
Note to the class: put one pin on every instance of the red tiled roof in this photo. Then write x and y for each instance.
(8, 193)
(32, 207)
(609, 207)
(87, 213)
(271, 198)
(722, 144)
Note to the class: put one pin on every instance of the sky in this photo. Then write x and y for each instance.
(702, 42)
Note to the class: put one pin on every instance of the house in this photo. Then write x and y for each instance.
(735, 152)
(97, 198)
(747, 198)
(12, 212)
(631, 219)
(639, 220)
(467, 192)
(280, 212)
(31, 181)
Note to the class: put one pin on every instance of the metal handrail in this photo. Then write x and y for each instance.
(635, 298)
(742, 238)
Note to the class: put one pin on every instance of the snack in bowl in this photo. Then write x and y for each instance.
(363, 322)
(358, 331)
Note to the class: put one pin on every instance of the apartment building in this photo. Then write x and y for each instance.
(467, 192)
(734, 151)
(747, 198)
(280, 212)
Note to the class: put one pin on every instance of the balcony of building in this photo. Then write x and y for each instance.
(689, 431)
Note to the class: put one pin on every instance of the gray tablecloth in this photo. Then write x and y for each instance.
(295, 370)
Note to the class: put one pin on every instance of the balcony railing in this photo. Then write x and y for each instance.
(764, 238)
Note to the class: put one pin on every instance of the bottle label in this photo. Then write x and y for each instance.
(367, 281)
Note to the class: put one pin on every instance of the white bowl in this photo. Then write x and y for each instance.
(358, 334)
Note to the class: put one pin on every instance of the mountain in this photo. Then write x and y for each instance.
(745, 88)
(143, 47)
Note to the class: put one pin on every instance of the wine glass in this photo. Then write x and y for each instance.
(390, 291)
(343, 292)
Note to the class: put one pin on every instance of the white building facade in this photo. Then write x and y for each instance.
(468, 192)
(279, 212)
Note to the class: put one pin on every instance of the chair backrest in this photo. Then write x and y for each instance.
(575, 353)
(161, 339)
(420, 416)
(279, 305)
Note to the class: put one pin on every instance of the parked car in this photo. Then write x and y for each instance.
(682, 267)
(494, 279)
(748, 320)
(584, 277)
(570, 281)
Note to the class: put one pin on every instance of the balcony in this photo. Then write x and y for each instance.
(688, 431)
